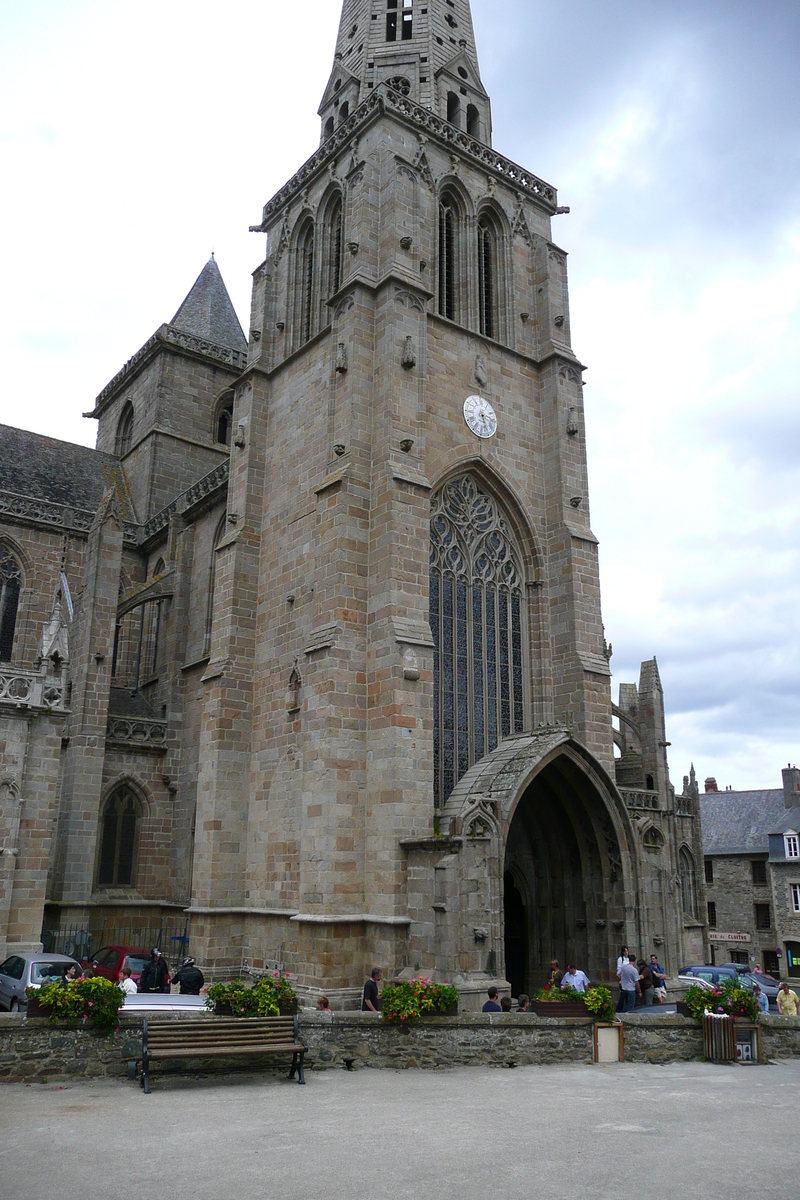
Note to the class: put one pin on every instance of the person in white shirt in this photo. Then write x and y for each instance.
(575, 979)
(126, 983)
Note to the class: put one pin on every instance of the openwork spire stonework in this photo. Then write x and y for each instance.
(425, 49)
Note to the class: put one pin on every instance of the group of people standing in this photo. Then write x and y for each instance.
(639, 979)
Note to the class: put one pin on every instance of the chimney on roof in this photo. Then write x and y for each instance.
(791, 787)
(711, 784)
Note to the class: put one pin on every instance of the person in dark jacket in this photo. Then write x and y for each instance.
(155, 976)
(190, 978)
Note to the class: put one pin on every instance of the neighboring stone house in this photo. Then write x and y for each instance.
(335, 690)
(751, 843)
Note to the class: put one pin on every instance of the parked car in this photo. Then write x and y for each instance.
(738, 971)
(22, 971)
(111, 959)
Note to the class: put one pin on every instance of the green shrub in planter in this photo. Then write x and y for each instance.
(96, 1001)
(597, 1000)
(270, 996)
(730, 998)
(411, 999)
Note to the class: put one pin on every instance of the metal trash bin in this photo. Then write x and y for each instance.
(719, 1038)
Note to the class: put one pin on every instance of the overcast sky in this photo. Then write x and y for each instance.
(137, 138)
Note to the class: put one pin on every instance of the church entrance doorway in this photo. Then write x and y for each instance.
(563, 889)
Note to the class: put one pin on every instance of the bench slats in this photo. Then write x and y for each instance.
(220, 1038)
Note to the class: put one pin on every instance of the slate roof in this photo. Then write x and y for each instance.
(59, 472)
(741, 822)
(207, 312)
(789, 819)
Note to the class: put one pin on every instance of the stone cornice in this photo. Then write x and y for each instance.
(167, 335)
(385, 100)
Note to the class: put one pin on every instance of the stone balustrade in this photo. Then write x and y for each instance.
(141, 733)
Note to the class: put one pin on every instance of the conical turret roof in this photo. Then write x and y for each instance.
(208, 313)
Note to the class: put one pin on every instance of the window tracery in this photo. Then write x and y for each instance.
(476, 616)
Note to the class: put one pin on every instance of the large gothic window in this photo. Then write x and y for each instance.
(10, 584)
(476, 614)
(118, 839)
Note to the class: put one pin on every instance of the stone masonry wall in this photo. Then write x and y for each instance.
(36, 1051)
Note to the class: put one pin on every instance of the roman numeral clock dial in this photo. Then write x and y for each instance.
(480, 416)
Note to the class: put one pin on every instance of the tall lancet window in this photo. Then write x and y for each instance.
(335, 247)
(10, 585)
(476, 615)
(448, 256)
(304, 285)
(391, 20)
(487, 276)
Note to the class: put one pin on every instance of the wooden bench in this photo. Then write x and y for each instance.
(220, 1037)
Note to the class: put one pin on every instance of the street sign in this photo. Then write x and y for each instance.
(729, 937)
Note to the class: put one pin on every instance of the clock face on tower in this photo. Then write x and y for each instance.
(480, 416)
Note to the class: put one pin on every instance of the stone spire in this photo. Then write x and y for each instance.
(424, 48)
(208, 313)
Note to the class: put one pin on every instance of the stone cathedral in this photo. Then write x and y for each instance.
(308, 653)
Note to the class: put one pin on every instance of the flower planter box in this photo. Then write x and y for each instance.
(35, 1009)
(559, 1008)
(682, 1008)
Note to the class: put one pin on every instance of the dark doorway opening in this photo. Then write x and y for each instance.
(563, 860)
(516, 942)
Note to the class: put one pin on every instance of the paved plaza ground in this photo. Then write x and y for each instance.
(694, 1130)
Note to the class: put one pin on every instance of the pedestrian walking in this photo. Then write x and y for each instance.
(573, 978)
(621, 960)
(788, 1003)
(190, 978)
(646, 983)
(491, 1004)
(155, 975)
(370, 1001)
(126, 982)
(762, 998)
(660, 979)
(629, 984)
(523, 1003)
(555, 976)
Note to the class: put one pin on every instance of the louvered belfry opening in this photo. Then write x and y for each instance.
(476, 597)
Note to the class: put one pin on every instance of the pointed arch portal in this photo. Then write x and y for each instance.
(541, 818)
(562, 866)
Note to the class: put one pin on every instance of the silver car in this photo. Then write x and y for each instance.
(22, 971)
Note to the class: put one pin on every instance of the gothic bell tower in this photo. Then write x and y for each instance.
(408, 586)
(425, 51)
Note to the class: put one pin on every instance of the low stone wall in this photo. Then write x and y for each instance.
(35, 1050)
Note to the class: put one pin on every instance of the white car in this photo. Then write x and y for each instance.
(22, 971)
